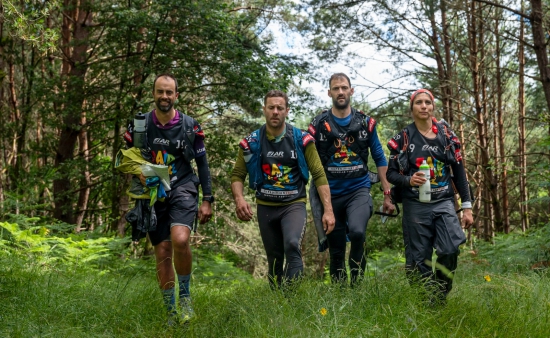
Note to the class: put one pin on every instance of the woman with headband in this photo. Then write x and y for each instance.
(432, 224)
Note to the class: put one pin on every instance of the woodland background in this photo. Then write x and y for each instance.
(73, 72)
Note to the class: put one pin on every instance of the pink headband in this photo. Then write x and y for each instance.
(421, 91)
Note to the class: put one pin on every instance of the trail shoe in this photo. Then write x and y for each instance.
(172, 319)
(186, 308)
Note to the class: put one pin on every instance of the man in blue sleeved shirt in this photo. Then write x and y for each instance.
(344, 136)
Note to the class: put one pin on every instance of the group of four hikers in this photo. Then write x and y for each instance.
(278, 158)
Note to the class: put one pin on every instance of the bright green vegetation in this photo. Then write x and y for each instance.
(67, 287)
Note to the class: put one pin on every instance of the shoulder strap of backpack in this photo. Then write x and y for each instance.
(403, 153)
(187, 128)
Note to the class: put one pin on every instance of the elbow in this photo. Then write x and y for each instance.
(391, 177)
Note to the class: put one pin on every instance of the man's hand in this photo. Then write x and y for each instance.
(328, 221)
(205, 212)
(243, 210)
(389, 207)
(467, 218)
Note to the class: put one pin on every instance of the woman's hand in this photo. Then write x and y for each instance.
(417, 179)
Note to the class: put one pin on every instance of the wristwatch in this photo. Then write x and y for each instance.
(208, 199)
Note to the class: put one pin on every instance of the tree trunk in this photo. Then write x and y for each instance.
(26, 116)
(447, 86)
(505, 220)
(522, 160)
(474, 35)
(539, 45)
(14, 118)
(3, 163)
(85, 181)
(75, 32)
(444, 82)
(492, 193)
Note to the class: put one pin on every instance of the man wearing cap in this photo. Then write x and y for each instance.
(344, 136)
(433, 224)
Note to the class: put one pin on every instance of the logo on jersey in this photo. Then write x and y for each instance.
(278, 174)
(277, 154)
(162, 157)
(437, 171)
(434, 149)
(393, 144)
(344, 157)
(161, 141)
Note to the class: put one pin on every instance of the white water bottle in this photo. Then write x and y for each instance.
(140, 136)
(425, 190)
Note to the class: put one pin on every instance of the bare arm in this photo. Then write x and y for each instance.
(389, 208)
(242, 208)
(328, 214)
(318, 172)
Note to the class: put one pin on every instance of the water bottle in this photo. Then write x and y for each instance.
(425, 190)
(140, 136)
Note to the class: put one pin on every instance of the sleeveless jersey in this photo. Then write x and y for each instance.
(282, 177)
(343, 151)
(278, 171)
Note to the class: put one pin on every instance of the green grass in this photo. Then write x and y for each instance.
(78, 286)
(58, 301)
(382, 306)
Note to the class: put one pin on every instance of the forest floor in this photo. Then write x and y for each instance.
(490, 298)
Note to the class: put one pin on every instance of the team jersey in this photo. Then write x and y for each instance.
(343, 146)
(169, 145)
(442, 166)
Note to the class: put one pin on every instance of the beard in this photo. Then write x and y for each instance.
(164, 108)
(338, 105)
(276, 124)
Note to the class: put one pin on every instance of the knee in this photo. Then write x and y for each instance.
(356, 236)
(163, 253)
(293, 246)
(180, 240)
(447, 251)
(180, 244)
(337, 254)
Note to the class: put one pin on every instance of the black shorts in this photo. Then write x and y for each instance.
(178, 209)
